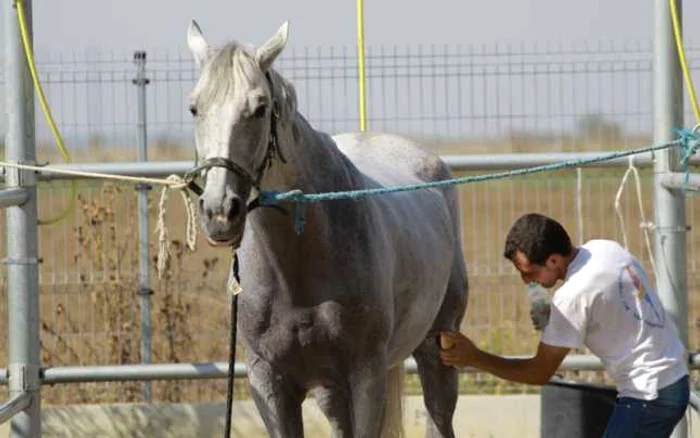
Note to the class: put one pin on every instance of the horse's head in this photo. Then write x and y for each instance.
(234, 113)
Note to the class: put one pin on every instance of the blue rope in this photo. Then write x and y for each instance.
(688, 141)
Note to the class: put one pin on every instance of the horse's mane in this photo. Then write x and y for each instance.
(234, 63)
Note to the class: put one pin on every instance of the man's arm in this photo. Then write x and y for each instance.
(536, 370)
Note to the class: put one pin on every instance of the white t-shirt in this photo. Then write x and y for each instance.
(608, 304)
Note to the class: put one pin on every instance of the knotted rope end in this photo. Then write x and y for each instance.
(164, 244)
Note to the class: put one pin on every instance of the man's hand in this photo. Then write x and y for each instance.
(461, 352)
(538, 321)
(533, 370)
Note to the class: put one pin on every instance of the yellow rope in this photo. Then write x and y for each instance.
(361, 64)
(45, 109)
(171, 182)
(684, 62)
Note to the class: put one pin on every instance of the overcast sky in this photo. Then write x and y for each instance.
(70, 26)
(66, 25)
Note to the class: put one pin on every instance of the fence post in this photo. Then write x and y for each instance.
(144, 291)
(22, 241)
(669, 205)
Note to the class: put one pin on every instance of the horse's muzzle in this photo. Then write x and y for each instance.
(223, 218)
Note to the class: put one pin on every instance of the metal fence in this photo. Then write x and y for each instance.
(535, 97)
(459, 99)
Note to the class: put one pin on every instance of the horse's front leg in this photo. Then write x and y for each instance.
(368, 386)
(277, 398)
(334, 402)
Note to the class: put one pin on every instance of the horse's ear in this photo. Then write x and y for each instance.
(269, 51)
(197, 44)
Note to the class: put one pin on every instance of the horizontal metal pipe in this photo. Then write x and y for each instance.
(151, 169)
(15, 405)
(463, 162)
(466, 162)
(217, 370)
(12, 197)
(677, 180)
(140, 372)
(213, 370)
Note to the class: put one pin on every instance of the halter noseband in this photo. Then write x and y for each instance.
(273, 149)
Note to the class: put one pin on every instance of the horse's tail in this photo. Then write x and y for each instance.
(393, 415)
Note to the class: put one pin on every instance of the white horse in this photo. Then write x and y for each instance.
(336, 309)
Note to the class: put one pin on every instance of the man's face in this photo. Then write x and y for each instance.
(546, 274)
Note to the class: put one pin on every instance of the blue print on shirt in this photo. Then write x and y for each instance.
(638, 296)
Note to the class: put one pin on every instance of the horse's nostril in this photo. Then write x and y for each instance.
(206, 211)
(235, 208)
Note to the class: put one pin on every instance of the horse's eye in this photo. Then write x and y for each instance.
(193, 110)
(259, 111)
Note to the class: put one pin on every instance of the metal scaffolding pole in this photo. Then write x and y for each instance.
(22, 246)
(669, 205)
(145, 291)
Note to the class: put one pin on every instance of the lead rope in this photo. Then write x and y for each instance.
(232, 347)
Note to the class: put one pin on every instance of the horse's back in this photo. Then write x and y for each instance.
(391, 159)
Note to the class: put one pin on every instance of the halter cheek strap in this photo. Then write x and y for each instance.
(273, 149)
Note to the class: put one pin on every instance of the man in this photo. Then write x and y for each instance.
(606, 303)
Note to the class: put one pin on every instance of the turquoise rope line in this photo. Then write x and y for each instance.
(691, 143)
(273, 197)
(688, 141)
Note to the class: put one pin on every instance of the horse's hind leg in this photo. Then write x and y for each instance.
(278, 400)
(334, 402)
(440, 382)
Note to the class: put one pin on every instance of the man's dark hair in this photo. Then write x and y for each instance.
(537, 237)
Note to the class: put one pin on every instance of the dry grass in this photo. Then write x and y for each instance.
(89, 281)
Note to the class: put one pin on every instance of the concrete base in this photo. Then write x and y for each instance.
(476, 416)
(504, 416)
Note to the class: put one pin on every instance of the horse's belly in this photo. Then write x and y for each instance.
(424, 264)
(306, 339)
(414, 321)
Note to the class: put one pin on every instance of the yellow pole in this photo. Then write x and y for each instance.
(361, 62)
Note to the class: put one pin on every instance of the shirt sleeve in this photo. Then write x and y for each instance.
(567, 321)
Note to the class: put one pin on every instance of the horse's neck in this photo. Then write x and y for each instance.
(313, 165)
(313, 161)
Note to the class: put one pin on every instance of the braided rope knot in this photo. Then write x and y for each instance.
(164, 244)
(689, 142)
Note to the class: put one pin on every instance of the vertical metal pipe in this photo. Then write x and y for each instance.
(22, 242)
(145, 290)
(669, 205)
